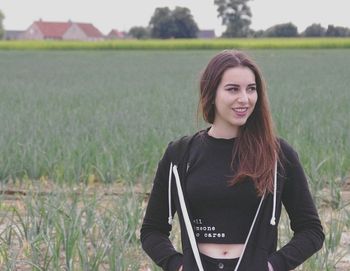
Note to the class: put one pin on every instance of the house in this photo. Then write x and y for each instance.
(13, 35)
(43, 30)
(115, 34)
(206, 34)
(83, 31)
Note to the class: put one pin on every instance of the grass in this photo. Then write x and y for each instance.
(77, 118)
(181, 44)
(70, 231)
(73, 116)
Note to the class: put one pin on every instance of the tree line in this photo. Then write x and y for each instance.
(235, 15)
(1, 27)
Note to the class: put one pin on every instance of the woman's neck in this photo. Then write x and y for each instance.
(217, 132)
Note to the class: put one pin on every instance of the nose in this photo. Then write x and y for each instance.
(243, 97)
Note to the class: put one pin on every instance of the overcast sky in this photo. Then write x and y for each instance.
(123, 14)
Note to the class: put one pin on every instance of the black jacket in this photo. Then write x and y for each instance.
(292, 190)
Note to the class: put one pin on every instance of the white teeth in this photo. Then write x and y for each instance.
(240, 109)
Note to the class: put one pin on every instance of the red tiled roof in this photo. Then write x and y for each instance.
(115, 33)
(53, 29)
(90, 30)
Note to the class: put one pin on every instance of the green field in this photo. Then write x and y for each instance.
(181, 44)
(105, 117)
(65, 115)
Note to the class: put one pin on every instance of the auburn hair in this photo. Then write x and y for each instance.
(256, 147)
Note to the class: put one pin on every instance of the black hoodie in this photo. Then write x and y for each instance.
(290, 188)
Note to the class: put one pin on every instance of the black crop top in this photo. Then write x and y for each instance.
(222, 214)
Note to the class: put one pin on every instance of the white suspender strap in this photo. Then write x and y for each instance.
(187, 220)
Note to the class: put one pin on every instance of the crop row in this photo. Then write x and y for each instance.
(181, 44)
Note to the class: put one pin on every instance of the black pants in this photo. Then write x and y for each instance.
(213, 264)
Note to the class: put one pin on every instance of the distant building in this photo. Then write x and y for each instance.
(13, 35)
(206, 34)
(83, 31)
(42, 30)
(115, 34)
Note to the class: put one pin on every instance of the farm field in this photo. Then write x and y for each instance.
(181, 44)
(82, 132)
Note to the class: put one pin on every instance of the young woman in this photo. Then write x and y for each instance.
(228, 183)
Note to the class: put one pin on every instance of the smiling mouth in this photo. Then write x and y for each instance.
(240, 109)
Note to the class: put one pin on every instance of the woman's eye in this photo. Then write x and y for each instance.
(233, 89)
(252, 89)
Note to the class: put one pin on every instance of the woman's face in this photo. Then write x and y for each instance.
(235, 98)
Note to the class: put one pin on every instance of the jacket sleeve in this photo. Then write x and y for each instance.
(155, 229)
(304, 221)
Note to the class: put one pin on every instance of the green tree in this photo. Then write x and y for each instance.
(282, 30)
(178, 23)
(1, 26)
(236, 16)
(314, 30)
(161, 24)
(184, 24)
(337, 31)
(256, 33)
(139, 32)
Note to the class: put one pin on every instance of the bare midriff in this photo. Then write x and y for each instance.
(221, 251)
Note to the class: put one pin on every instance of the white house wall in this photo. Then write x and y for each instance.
(74, 32)
(33, 33)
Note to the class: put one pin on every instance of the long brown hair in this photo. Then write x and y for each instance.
(256, 146)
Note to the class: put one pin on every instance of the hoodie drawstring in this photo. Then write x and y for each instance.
(187, 220)
(170, 217)
(273, 217)
(249, 233)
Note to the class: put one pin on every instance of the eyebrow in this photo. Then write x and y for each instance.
(236, 85)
